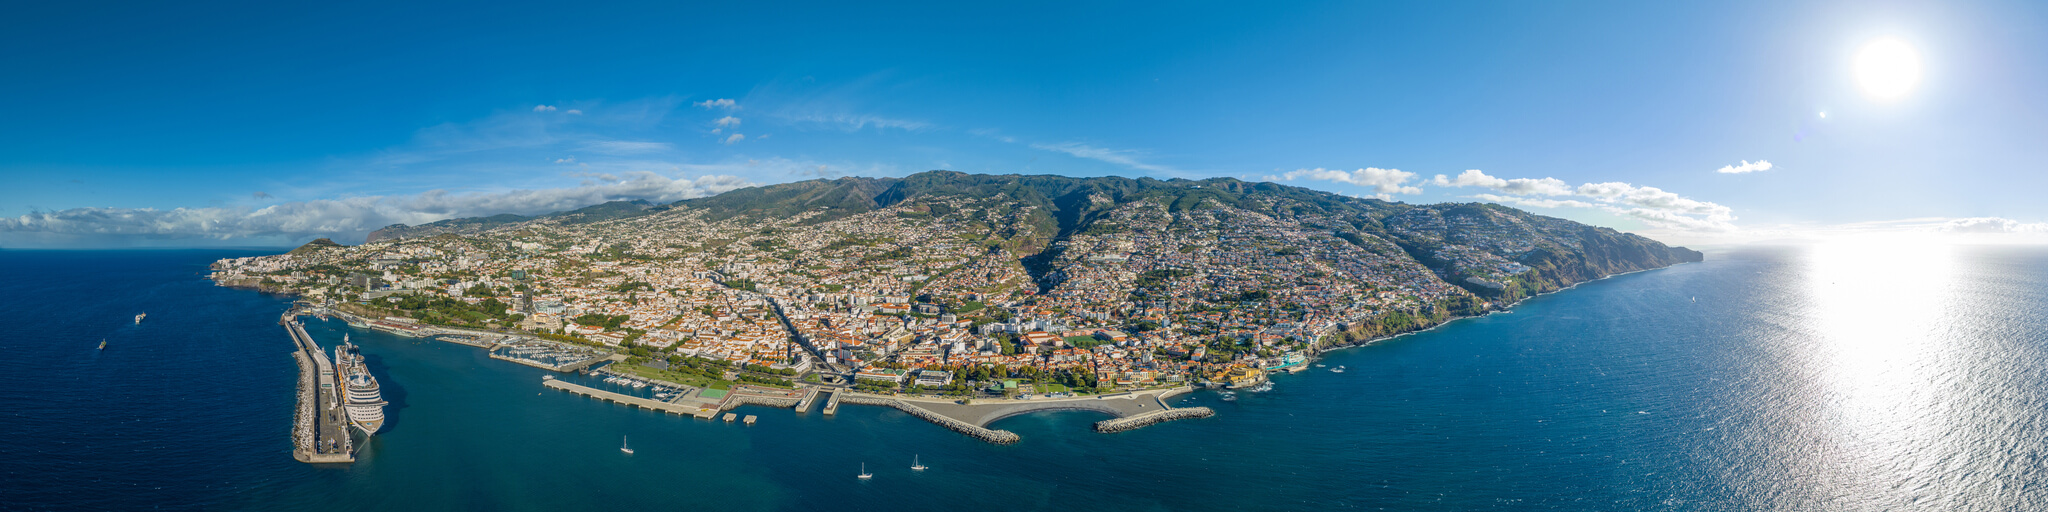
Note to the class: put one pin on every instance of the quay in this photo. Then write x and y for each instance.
(832, 404)
(810, 397)
(319, 432)
(643, 403)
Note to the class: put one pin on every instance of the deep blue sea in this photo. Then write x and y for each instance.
(1818, 378)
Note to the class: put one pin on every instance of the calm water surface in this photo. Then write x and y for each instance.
(1830, 378)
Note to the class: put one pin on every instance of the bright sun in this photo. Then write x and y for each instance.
(1887, 68)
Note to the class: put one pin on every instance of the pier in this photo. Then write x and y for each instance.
(319, 430)
(1130, 411)
(810, 397)
(643, 403)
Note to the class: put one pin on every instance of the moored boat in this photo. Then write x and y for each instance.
(362, 398)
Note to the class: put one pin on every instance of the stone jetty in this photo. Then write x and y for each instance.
(977, 432)
(1114, 425)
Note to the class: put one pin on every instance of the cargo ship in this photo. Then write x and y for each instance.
(361, 398)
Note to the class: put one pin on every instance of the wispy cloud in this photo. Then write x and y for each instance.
(1745, 167)
(617, 147)
(1383, 181)
(992, 133)
(727, 121)
(735, 138)
(724, 103)
(1123, 157)
(1534, 202)
(543, 108)
(854, 122)
(352, 218)
(1991, 225)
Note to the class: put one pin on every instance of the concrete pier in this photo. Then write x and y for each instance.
(1131, 410)
(730, 416)
(320, 431)
(810, 397)
(832, 404)
(643, 403)
(749, 421)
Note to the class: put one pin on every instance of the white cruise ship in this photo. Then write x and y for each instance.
(361, 398)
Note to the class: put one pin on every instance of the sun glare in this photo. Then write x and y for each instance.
(1887, 69)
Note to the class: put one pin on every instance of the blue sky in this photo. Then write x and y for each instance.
(264, 124)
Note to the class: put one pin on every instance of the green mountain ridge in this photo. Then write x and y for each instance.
(1492, 250)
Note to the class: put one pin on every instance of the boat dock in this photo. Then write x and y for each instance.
(1128, 410)
(832, 404)
(643, 403)
(319, 431)
(804, 405)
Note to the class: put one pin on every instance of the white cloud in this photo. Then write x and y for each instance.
(566, 160)
(573, 112)
(1382, 181)
(260, 195)
(543, 108)
(1517, 186)
(727, 121)
(1533, 202)
(1991, 225)
(723, 103)
(1651, 205)
(357, 216)
(763, 136)
(1660, 208)
(1126, 158)
(1745, 166)
(735, 138)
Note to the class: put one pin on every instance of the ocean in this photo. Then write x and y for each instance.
(1811, 378)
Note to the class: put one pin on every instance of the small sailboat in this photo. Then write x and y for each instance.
(914, 465)
(864, 474)
(1338, 369)
(1695, 299)
(103, 343)
(624, 447)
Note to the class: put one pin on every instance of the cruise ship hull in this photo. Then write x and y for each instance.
(362, 398)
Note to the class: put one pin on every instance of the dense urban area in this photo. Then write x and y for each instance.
(960, 285)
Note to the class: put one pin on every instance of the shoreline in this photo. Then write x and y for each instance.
(1509, 308)
(1122, 421)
